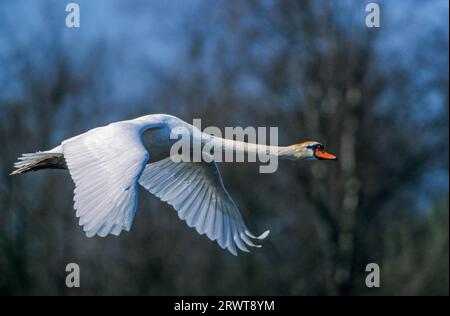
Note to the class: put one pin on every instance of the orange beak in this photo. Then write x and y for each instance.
(322, 154)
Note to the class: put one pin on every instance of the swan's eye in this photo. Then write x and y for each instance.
(315, 146)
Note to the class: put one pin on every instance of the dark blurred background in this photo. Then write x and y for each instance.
(378, 98)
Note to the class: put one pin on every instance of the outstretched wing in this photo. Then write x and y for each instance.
(196, 191)
(105, 164)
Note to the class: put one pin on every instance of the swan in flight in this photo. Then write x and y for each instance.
(108, 163)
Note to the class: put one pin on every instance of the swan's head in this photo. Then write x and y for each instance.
(310, 151)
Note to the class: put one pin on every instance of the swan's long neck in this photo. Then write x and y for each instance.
(229, 146)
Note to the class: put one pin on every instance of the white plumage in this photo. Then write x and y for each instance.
(108, 163)
(105, 164)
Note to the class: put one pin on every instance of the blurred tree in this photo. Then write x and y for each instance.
(307, 67)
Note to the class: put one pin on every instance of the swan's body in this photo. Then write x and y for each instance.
(108, 163)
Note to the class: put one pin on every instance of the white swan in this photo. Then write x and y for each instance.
(108, 163)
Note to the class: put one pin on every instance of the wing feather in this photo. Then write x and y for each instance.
(196, 191)
(105, 164)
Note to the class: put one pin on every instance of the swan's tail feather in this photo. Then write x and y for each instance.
(39, 160)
